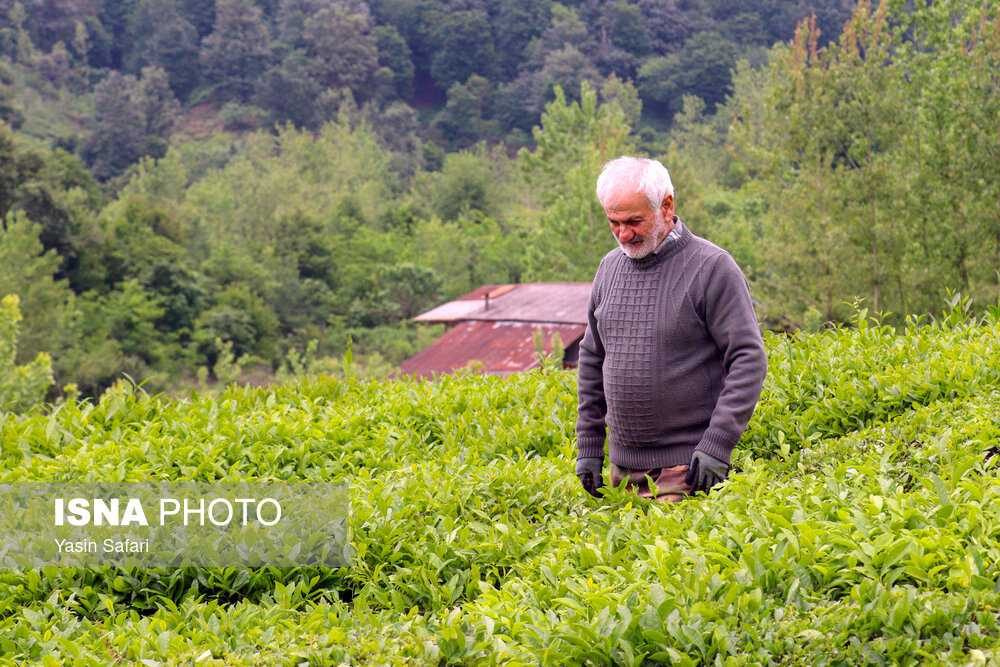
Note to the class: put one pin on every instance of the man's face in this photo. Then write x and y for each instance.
(635, 225)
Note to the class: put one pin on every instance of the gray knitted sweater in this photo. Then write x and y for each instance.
(672, 359)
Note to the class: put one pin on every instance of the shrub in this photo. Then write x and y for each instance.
(858, 525)
(21, 387)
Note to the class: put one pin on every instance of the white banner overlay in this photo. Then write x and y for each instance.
(166, 524)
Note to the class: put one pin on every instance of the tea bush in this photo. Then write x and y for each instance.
(860, 524)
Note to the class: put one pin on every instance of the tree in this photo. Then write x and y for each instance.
(242, 318)
(701, 68)
(237, 52)
(398, 126)
(342, 47)
(520, 102)
(624, 94)
(21, 387)
(291, 22)
(950, 154)
(567, 68)
(8, 177)
(52, 21)
(54, 190)
(570, 235)
(161, 36)
(289, 91)
(55, 65)
(8, 108)
(307, 275)
(411, 288)
(114, 17)
(464, 47)
(132, 118)
(470, 182)
(516, 23)
(417, 22)
(566, 27)
(464, 121)
(28, 270)
(624, 38)
(856, 146)
(394, 53)
(130, 314)
(201, 14)
(159, 109)
(144, 243)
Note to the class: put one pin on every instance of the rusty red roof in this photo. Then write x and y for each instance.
(501, 347)
(555, 303)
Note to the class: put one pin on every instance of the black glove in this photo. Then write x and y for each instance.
(588, 469)
(705, 471)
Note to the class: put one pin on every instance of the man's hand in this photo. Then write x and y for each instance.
(705, 471)
(588, 469)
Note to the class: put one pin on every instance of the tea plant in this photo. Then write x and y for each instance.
(859, 523)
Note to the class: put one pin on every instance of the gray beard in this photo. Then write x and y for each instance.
(650, 244)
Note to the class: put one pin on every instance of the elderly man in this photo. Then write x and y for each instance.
(672, 359)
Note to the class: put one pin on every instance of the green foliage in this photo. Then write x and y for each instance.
(227, 367)
(288, 90)
(54, 190)
(159, 35)
(573, 143)
(469, 253)
(240, 318)
(464, 119)
(40, 109)
(133, 119)
(707, 188)
(237, 117)
(394, 53)
(466, 47)
(841, 149)
(27, 270)
(21, 387)
(701, 68)
(130, 314)
(8, 113)
(819, 174)
(342, 48)
(624, 94)
(857, 525)
(516, 23)
(411, 288)
(469, 182)
(238, 50)
(383, 52)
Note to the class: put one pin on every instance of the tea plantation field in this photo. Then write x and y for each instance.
(861, 523)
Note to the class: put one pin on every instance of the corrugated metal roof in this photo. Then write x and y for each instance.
(480, 292)
(558, 303)
(501, 347)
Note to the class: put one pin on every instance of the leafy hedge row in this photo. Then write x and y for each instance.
(860, 523)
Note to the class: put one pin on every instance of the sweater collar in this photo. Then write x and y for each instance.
(672, 237)
(667, 248)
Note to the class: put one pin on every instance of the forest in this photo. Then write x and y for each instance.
(194, 192)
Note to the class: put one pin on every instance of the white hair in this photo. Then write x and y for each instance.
(648, 176)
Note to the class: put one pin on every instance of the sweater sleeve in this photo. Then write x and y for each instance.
(592, 407)
(732, 323)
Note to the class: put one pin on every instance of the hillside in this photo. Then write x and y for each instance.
(167, 202)
(859, 524)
